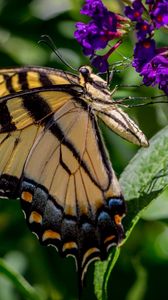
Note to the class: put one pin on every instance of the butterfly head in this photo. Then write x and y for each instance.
(87, 76)
(93, 83)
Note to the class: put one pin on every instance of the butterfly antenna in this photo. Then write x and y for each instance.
(49, 42)
(150, 99)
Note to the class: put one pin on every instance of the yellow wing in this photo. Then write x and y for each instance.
(14, 149)
(53, 158)
(21, 79)
(28, 95)
(69, 191)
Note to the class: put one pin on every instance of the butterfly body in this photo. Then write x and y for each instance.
(53, 158)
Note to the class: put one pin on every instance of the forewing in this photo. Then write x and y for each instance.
(28, 98)
(69, 188)
(14, 80)
(30, 95)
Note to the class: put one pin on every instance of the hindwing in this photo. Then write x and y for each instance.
(68, 187)
(14, 149)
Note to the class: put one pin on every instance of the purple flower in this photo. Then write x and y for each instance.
(151, 63)
(155, 72)
(159, 14)
(94, 9)
(100, 30)
(103, 27)
(109, 24)
(85, 34)
(94, 36)
(100, 63)
(135, 12)
(162, 76)
(150, 1)
(143, 28)
(89, 36)
(144, 51)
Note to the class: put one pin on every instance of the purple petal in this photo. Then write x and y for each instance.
(100, 62)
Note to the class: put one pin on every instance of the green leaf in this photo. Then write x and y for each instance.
(142, 181)
(24, 288)
(102, 273)
(158, 209)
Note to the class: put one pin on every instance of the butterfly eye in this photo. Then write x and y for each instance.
(85, 71)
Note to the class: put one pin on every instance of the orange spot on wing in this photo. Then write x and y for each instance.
(35, 217)
(109, 238)
(27, 196)
(50, 234)
(69, 245)
(117, 219)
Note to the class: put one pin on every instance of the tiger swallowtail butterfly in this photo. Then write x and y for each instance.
(53, 158)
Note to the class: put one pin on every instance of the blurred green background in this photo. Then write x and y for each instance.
(141, 271)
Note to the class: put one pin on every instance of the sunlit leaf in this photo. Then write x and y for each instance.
(158, 209)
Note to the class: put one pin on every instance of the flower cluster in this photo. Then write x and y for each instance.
(147, 16)
(150, 62)
(103, 27)
(157, 10)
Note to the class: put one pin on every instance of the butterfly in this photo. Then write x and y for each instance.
(52, 157)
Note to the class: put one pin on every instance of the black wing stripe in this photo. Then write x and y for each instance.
(44, 80)
(6, 119)
(57, 131)
(23, 80)
(5, 138)
(37, 107)
(65, 167)
(8, 81)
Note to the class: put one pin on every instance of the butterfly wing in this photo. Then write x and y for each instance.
(28, 96)
(13, 154)
(69, 192)
(13, 80)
